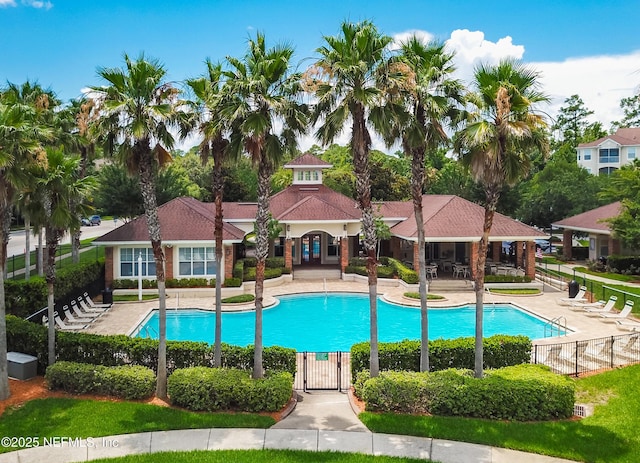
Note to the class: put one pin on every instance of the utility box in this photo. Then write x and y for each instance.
(21, 366)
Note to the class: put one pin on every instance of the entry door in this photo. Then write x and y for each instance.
(311, 249)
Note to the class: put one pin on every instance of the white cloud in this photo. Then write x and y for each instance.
(423, 36)
(47, 5)
(5, 3)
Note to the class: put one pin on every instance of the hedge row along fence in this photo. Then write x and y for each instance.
(499, 351)
(26, 297)
(522, 393)
(31, 338)
(213, 389)
(126, 382)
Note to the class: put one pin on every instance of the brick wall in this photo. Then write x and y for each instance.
(567, 240)
(108, 267)
(168, 261)
(228, 256)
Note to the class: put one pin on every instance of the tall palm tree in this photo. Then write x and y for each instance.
(208, 91)
(21, 138)
(137, 109)
(262, 96)
(429, 98)
(495, 145)
(347, 81)
(58, 183)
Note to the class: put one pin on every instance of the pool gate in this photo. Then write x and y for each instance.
(323, 371)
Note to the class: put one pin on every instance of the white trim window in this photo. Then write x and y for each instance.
(631, 153)
(129, 262)
(197, 261)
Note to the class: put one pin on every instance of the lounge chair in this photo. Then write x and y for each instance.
(631, 350)
(95, 305)
(628, 325)
(62, 326)
(595, 308)
(82, 314)
(68, 316)
(600, 354)
(579, 297)
(626, 310)
(85, 307)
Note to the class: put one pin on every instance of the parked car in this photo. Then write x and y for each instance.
(85, 222)
(95, 220)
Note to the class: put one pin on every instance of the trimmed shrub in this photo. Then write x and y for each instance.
(250, 273)
(385, 272)
(238, 270)
(232, 282)
(238, 299)
(405, 274)
(213, 389)
(23, 298)
(250, 262)
(358, 270)
(31, 338)
(126, 283)
(358, 262)
(126, 382)
(627, 265)
(274, 262)
(506, 279)
(188, 282)
(522, 393)
(499, 351)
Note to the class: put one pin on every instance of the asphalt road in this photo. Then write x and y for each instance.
(17, 239)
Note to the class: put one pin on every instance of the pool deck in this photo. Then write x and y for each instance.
(123, 318)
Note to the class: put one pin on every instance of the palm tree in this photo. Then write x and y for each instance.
(495, 145)
(261, 96)
(429, 98)
(20, 144)
(208, 91)
(347, 81)
(136, 109)
(58, 183)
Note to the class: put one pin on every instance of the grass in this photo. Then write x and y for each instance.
(609, 275)
(257, 456)
(430, 297)
(522, 291)
(238, 299)
(89, 418)
(610, 435)
(133, 297)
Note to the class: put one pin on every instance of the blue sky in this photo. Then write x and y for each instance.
(587, 47)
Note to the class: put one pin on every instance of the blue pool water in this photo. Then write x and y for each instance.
(319, 322)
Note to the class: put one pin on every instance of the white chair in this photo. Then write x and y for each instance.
(594, 308)
(579, 297)
(81, 314)
(95, 305)
(626, 310)
(71, 319)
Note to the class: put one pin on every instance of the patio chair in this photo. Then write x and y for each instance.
(71, 319)
(628, 325)
(630, 350)
(82, 314)
(594, 308)
(95, 305)
(62, 326)
(85, 307)
(579, 297)
(626, 310)
(600, 357)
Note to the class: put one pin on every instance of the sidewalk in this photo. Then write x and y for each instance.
(322, 420)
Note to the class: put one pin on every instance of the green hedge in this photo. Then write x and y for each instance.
(250, 273)
(125, 283)
(499, 351)
(238, 299)
(405, 274)
(213, 389)
(31, 338)
(127, 381)
(522, 393)
(23, 298)
(238, 269)
(232, 282)
(506, 279)
(628, 265)
(274, 262)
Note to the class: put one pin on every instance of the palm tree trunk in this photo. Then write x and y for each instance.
(5, 220)
(492, 196)
(39, 254)
(50, 277)
(27, 248)
(218, 190)
(417, 180)
(149, 200)
(360, 149)
(262, 249)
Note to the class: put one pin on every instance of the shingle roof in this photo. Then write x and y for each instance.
(313, 202)
(182, 219)
(307, 159)
(624, 137)
(592, 221)
(450, 218)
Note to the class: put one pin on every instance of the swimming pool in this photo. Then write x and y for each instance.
(319, 322)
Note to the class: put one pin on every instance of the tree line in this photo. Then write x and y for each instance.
(249, 112)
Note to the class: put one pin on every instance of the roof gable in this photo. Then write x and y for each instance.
(622, 137)
(307, 160)
(592, 220)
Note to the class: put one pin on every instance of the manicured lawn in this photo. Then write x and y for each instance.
(524, 291)
(610, 435)
(88, 418)
(133, 297)
(257, 456)
(611, 276)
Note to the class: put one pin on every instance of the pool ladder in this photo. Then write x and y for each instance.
(557, 324)
(149, 331)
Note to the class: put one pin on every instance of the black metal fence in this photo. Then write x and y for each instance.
(323, 371)
(578, 357)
